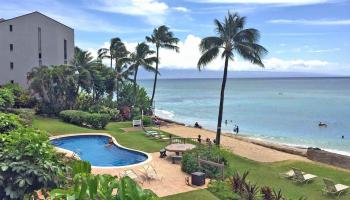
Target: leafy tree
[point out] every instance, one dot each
(55, 86)
(22, 98)
(162, 38)
(28, 162)
(142, 57)
(232, 38)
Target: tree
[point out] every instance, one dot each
(162, 38)
(232, 38)
(116, 51)
(142, 57)
(55, 87)
(83, 61)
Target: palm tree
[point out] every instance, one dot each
(142, 57)
(116, 51)
(83, 61)
(232, 38)
(162, 38)
(108, 52)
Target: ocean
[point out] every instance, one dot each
(282, 110)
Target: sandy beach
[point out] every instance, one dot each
(254, 150)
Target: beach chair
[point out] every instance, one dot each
(151, 133)
(150, 173)
(332, 188)
(300, 177)
(132, 174)
(289, 174)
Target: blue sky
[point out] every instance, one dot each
(301, 35)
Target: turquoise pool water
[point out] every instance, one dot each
(95, 149)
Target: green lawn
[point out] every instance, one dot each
(136, 139)
(264, 174)
(194, 195)
(267, 174)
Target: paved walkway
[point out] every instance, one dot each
(173, 179)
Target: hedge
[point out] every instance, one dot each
(86, 119)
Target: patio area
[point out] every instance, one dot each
(173, 179)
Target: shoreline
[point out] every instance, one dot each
(295, 149)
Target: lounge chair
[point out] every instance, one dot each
(332, 188)
(151, 133)
(132, 174)
(300, 177)
(289, 174)
(150, 173)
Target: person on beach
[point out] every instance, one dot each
(342, 137)
(196, 125)
(237, 129)
(226, 122)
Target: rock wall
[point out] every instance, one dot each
(328, 158)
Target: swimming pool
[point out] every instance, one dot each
(95, 149)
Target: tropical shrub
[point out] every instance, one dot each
(87, 186)
(212, 153)
(28, 162)
(25, 114)
(222, 190)
(126, 98)
(9, 122)
(7, 99)
(22, 98)
(146, 120)
(81, 118)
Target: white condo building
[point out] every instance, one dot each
(29, 41)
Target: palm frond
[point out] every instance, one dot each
(209, 43)
(207, 57)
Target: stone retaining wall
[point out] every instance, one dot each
(328, 158)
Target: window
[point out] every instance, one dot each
(12, 81)
(65, 50)
(10, 28)
(11, 65)
(11, 47)
(39, 55)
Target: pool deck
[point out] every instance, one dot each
(173, 179)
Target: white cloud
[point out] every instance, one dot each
(154, 11)
(189, 55)
(279, 2)
(181, 9)
(311, 22)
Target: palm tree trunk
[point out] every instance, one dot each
(155, 78)
(111, 62)
(117, 78)
(135, 92)
(221, 107)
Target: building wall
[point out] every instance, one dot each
(25, 40)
